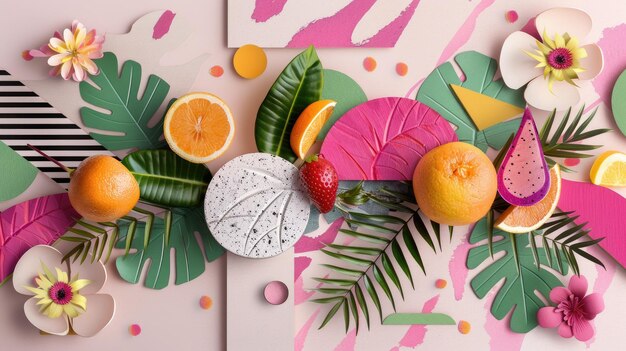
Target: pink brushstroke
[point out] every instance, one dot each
(348, 343)
(603, 209)
(416, 333)
(304, 332)
(300, 264)
(299, 294)
(465, 31)
(266, 9)
(162, 26)
(603, 280)
(502, 338)
(306, 243)
(458, 268)
(612, 45)
(336, 30)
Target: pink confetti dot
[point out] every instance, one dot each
(369, 63)
(440, 283)
(134, 329)
(571, 162)
(511, 16)
(402, 69)
(276, 292)
(464, 327)
(206, 302)
(216, 71)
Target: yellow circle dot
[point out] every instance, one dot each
(249, 61)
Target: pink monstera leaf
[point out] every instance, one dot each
(384, 139)
(39, 221)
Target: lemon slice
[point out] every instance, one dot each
(609, 169)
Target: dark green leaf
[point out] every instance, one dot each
(547, 126)
(561, 128)
(331, 313)
(343, 270)
(362, 250)
(422, 230)
(412, 247)
(373, 294)
(355, 311)
(572, 127)
(347, 258)
(437, 231)
(391, 272)
(399, 256)
(361, 299)
(340, 282)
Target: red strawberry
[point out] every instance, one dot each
(320, 180)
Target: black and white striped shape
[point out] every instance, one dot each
(25, 118)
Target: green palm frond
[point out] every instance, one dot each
(95, 238)
(376, 260)
(565, 140)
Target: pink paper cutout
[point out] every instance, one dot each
(300, 264)
(415, 334)
(384, 139)
(602, 283)
(457, 266)
(307, 244)
(266, 9)
(162, 26)
(336, 30)
(348, 343)
(612, 45)
(304, 332)
(39, 221)
(603, 209)
(299, 294)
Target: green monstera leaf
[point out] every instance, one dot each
(520, 272)
(128, 113)
(189, 260)
(299, 85)
(479, 71)
(165, 179)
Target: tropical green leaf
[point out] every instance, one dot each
(165, 179)
(189, 259)
(127, 112)
(479, 71)
(299, 85)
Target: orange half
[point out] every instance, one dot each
(523, 219)
(199, 127)
(308, 126)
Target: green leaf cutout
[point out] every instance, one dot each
(618, 102)
(189, 260)
(479, 71)
(345, 91)
(299, 85)
(166, 179)
(418, 318)
(22, 172)
(126, 111)
(522, 276)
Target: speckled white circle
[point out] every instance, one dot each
(256, 206)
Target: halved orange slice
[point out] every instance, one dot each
(523, 219)
(309, 124)
(199, 127)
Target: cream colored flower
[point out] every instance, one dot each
(59, 302)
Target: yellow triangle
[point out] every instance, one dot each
(484, 110)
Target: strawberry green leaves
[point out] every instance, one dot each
(298, 85)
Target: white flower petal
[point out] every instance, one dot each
(29, 266)
(593, 63)
(66, 70)
(56, 326)
(561, 20)
(57, 59)
(94, 272)
(562, 96)
(100, 311)
(516, 67)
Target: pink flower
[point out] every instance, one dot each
(573, 312)
(70, 52)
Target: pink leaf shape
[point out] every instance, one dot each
(300, 264)
(266, 9)
(384, 139)
(39, 221)
(306, 244)
(163, 25)
(603, 209)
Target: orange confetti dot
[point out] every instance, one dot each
(206, 302)
(249, 61)
(464, 327)
(441, 283)
(216, 71)
(369, 64)
(511, 16)
(402, 69)
(26, 55)
(134, 329)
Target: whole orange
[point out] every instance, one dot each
(102, 189)
(455, 184)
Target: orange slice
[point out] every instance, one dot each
(523, 219)
(199, 127)
(309, 124)
(609, 169)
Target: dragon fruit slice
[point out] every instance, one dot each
(523, 177)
